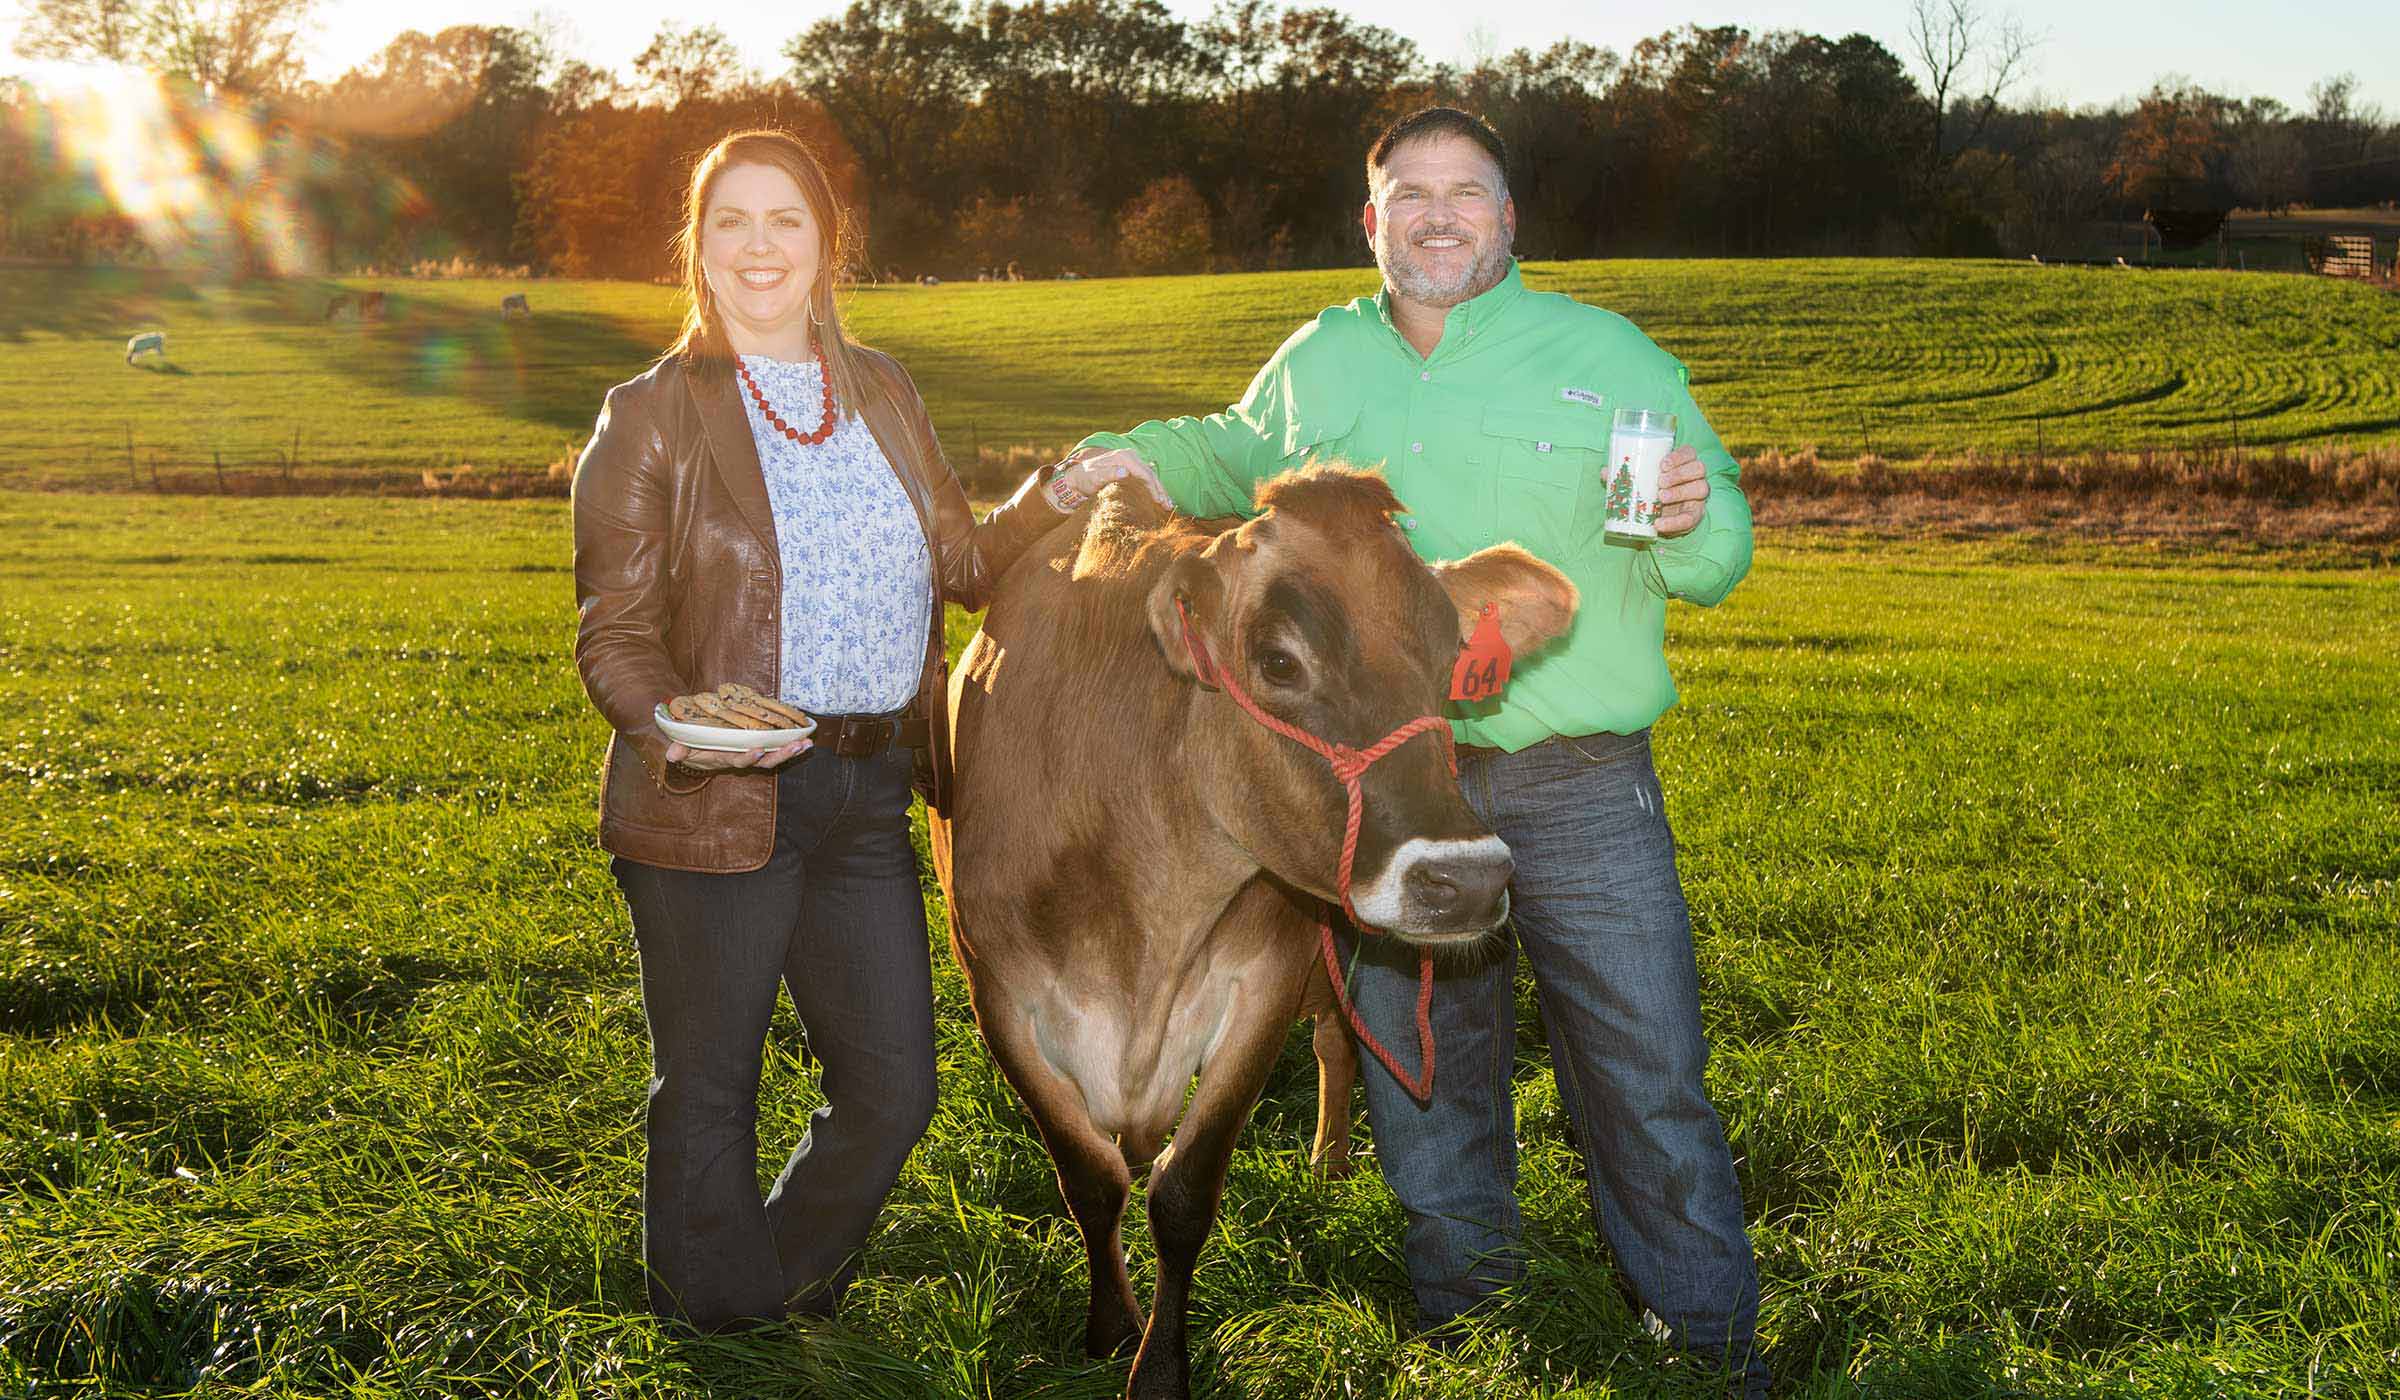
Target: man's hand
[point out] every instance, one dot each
(1088, 469)
(719, 760)
(1682, 492)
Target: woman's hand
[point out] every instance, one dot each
(1080, 477)
(720, 761)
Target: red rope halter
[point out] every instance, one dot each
(1349, 768)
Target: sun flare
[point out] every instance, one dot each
(204, 184)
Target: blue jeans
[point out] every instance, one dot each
(837, 918)
(1599, 911)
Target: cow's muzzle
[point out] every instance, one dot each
(1431, 891)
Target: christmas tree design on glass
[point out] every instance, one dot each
(1620, 493)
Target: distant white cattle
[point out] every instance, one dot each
(147, 343)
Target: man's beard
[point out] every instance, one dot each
(1411, 279)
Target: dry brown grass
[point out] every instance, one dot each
(2343, 496)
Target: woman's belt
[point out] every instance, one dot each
(864, 736)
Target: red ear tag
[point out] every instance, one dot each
(1482, 669)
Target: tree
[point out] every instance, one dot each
(1165, 229)
(1085, 95)
(1970, 60)
(21, 176)
(601, 193)
(2061, 187)
(2170, 154)
(1549, 108)
(897, 76)
(1299, 95)
(227, 47)
(2353, 155)
(575, 85)
(1042, 234)
(459, 111)
(108, 30)
(1969, 57)
(579, 203)
(2268, 168)
(685, 65)
(2342, 129)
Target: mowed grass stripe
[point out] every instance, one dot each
(1908, 358)
(2045, 913)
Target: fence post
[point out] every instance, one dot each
(219, 457)
(132, 477)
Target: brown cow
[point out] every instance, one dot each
(1134, 863)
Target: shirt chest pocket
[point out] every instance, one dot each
(1323, 438)
(1547, 463)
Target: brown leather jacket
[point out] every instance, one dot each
(680, 588)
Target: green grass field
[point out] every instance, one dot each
(2047, 904)
(1906, 359)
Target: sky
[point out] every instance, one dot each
(2090, 54)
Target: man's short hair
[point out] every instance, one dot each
(1429, 122)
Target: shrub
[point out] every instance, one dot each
(1165, 228)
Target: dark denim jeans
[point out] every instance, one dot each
(837, 917)
(1599, 911)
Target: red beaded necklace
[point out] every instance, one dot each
(824, 424)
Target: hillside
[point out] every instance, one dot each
(1902, 358)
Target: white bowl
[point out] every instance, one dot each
(724, 740)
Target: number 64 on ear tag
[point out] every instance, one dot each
(1482, 669)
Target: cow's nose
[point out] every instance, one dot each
(1449, 886)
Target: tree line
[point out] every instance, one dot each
(1112, 136)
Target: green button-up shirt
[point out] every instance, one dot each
(1500, 434)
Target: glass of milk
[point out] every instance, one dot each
(1638, 441)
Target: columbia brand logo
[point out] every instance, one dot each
(1582, 396)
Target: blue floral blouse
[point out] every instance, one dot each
(857, 580)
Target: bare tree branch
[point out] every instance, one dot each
(1967, 55)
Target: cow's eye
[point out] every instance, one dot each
(1279, 667)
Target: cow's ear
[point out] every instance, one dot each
(1537, 603)
(1193, 581)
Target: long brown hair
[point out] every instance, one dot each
(702, 342)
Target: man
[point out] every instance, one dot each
(1489, 408)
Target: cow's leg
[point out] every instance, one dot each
(1337, 1075)
(1091, 1176)
(1185, 1191)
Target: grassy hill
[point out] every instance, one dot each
(1904, 358)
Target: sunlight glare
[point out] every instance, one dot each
(203, 186)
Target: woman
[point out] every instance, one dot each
(769, 505)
